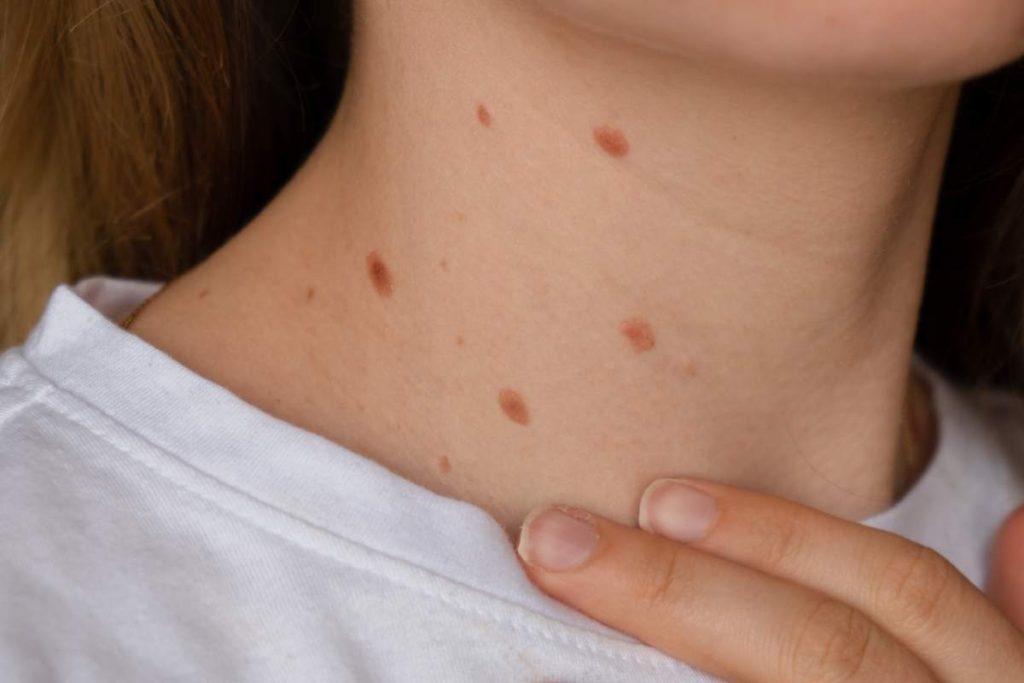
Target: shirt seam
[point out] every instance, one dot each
(515, 622)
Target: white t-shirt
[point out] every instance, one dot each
(154, 526)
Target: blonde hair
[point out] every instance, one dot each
(126, 128)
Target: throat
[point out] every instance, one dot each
(619, 269)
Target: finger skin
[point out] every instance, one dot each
(907, 589)
(729, 620)
(1006, 581)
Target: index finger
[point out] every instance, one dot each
(908, 589)
(719, 616)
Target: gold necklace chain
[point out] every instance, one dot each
(919, 434)
(130, 318)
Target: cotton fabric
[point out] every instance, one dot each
(154, 526)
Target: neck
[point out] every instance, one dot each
(528, 264)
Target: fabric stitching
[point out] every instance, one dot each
(437, 595)
(27, 399)
(515, 622)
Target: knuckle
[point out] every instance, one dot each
(832, 644)
(777, 537)
(914, 586)
(664, 579)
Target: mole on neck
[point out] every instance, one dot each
(620, 267)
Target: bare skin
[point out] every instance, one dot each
(475, 227)
(835, 600)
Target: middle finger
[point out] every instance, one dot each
(908, 589)
(717, 615)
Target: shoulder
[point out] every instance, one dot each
(29, 425)
(20, 387)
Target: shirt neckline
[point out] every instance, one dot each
(79, 346)
(80, 350)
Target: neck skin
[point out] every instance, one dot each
(773, 235)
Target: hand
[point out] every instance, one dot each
(747, 586)
(1006, 584)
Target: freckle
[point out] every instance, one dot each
(612, 140)
(202, 294)
(379, 274)
(514, 406)
(459, 341)
(639, 334)
(483, 115)
(310, 293)
(459, 216)
(444, 464)
(444, 265)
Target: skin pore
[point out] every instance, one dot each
(554, 264)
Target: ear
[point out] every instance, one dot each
(1006, 575)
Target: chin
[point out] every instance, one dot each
(891, 42)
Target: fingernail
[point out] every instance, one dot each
(677, 511)
(557, 538)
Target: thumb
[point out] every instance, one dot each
(1006, 576)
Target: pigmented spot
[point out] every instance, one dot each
(639, 333)
(458, 216)
(444, 464)
(460, 341)
(687, 368)
(612, 140)
(310, 293)
(514, 406)
(483, 116)
(380, 276)
(204, 293)
(444, 264)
